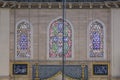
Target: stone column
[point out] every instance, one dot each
(115, 32)
(4, 42)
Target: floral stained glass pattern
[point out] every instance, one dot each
(96, 36)
(56, 39)
(23, 40)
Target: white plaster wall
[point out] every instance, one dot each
(115, 24)
(4, 42)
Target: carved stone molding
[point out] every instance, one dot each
(73, 5)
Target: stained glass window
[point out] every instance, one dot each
(56, 39)
(23, 40)
(96, 39)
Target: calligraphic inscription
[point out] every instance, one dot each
(100, 69)
(20, 69)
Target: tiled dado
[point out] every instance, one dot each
(4, 78)
(91, 76)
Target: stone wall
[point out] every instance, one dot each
(40, 19)
(79, 18)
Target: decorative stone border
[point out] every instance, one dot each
(58, 5)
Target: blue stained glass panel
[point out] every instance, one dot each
(96, 39)
(60, 27)
(23, 40)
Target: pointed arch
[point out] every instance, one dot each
(96, 40)
(55, 39)
(23, 40)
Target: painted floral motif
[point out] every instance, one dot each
(56, 39)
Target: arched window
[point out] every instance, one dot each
(56, 41)
(96, 44)
(23, 39)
